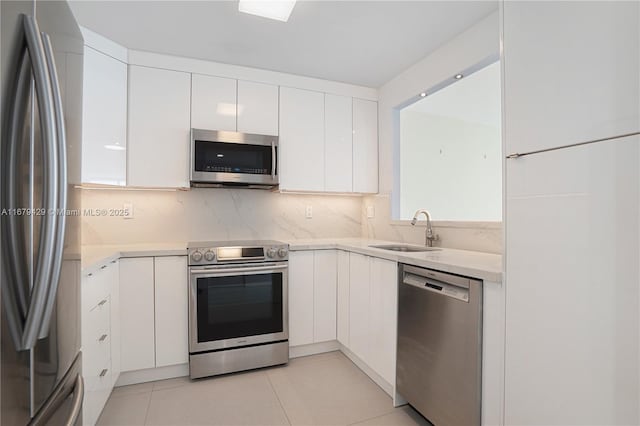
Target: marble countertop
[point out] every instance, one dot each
(474, 264)
(485, 266)
(95, 256)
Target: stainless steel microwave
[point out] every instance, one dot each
(233, 159)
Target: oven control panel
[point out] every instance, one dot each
(215, 253)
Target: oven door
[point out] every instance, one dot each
(237, 305)
(233, 158)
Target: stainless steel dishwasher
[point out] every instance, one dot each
(439, 360)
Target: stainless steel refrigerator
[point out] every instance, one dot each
(41, 363)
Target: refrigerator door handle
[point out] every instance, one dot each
(61, 183)
(44, 262)
(15, 299)
(72, 383)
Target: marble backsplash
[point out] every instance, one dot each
(217, 214)
(476, 236)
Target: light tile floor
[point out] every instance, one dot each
(326, 389)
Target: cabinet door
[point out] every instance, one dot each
(159, 127)
(301, 162)
(365, 146)
(137, 314)
(300, 298)
(171, 310)
(572, 275)
(213, 103)
(359, 293)
(114, 285)
(343, 298)
(572, 69)
(338, 132)
(384, 317)
(257, 108)
(104, 119)
(324, 295)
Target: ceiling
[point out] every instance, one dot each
(475, 98)
(359, 42)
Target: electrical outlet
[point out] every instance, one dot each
(309, 212)
(128, 210)
(371, 212)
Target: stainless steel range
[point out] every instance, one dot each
(238, 310)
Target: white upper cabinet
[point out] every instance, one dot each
(365, 146)
(257, 108)
(213, 103)
(572, 69)
(301, 146)
(104, 119)
(159, 127)
(338, 131)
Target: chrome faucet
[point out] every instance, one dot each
(430, 237)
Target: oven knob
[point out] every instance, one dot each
(209, 255)
(282, 252)
(271, 253)
(196, 256)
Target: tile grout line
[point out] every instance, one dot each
(372, 418)
(278, 398)
(146, 414)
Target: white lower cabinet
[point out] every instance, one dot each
(171, 310)
(342, 298)
(373, 312)
(137, 313)
(97, 330)
(383, 317)
(154, 306)
(312, 296)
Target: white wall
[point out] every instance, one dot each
(477, 44)
(217, 214)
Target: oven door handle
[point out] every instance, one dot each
(218, 271)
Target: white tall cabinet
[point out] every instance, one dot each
(159, 127)
(104, 119)
(338, 144)
(572, 215)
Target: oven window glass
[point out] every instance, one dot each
(232, 158)
(239, 306)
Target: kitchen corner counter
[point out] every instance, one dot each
(485, 266)
(95, 256)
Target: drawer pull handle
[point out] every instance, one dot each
(103, 372)
(101, 339)
(102, 302)
(90, 274)
(113, 261)
(103, 266)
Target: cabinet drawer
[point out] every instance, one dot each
(95, 288)
(96, 336)
(97, 390)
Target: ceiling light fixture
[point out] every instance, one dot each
(278, 10)
(458, 76)
(422, 95)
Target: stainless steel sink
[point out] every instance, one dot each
(404, 247)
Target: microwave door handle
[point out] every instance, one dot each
(61, 183)
(46, 109)
(274, 159)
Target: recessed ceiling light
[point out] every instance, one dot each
(278, 9)
(422, 95)
(458, 76)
